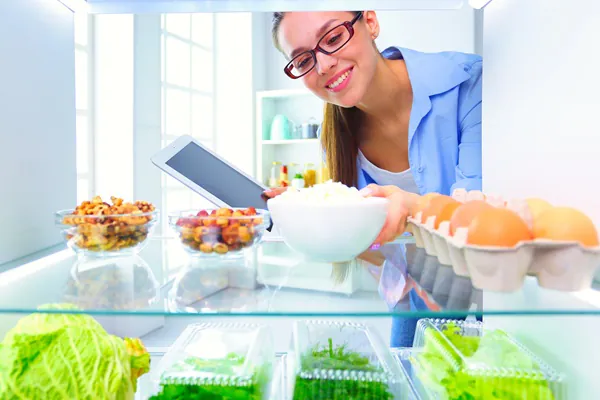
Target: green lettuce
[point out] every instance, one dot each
(443, 371)
(68, 356)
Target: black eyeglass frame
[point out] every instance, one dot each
(349, 25)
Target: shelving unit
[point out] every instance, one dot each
(298, 105)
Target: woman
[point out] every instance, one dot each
(397, 124)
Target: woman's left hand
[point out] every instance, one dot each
(401, 202)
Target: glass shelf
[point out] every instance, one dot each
(269, 281)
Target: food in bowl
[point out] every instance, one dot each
(219, 231)
(328, 222)
(97, 226)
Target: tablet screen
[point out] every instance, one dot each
(217, 177)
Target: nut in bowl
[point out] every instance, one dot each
(328, 222)
(97, 228)
(219, 232)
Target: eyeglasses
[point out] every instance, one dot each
(332, 41)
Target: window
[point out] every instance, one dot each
(83, 89)
(187, 90)
(187, 52)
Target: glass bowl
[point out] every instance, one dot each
(126, 283)
(222, 232)
(90, 232)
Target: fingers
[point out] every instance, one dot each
(373, 190)
(270, 193)
(395, 223)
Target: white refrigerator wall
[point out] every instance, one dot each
(37, 123)
(540, 138)
(540, 95)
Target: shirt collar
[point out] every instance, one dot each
(433, 75)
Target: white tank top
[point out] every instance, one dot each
(404, 180)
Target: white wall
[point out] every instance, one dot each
(419, 30)
(234, 89)
(37, 123)
(540, 138)
(113, 105)
(540, 96)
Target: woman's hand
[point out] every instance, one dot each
(274, 192)
(401, 203)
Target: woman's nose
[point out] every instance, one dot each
(325, 63)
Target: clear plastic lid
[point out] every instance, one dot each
(344, 360)
(218, 359)
(460, 359)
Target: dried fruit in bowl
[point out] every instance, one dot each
(219, 231)
(100, 226)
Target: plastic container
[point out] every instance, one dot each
(217, 360)
(222, 232)
(457, 359)
(92, 230)
(343, 360)
(563, 266)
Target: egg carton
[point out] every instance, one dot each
(557, 265)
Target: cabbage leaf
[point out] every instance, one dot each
(65, 356)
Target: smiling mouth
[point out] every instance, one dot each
(339, 80)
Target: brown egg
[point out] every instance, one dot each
(565, 224)
(498, 227)
(537, 206)
(422, 203)
(446, 213)
(464, 214)
(436, 206)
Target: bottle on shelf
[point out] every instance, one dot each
(283, 177)
(323, 175)
(310, 174)
(275, 178)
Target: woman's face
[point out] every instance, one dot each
(343, 77)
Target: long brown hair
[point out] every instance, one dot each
(339, 132)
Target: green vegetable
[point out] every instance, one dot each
(443, 371)
(339, 359)
(199, 378)
(68, 356)
(298, 176)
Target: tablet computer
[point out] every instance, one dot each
(209, 175)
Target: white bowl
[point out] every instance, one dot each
(329, 232)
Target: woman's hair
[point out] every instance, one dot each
(339, 136)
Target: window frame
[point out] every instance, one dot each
(166, 137)
(88, 112)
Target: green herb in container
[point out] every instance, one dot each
(218, 361)
(352, 365)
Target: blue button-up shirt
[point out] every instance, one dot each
(444, 131)
(444, 151)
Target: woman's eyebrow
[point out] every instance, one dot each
(318, 35)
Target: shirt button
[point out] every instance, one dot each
(420, 169)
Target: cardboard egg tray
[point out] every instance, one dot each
(564, 266)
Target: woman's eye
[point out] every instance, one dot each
(302, 63)
(333, 39)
